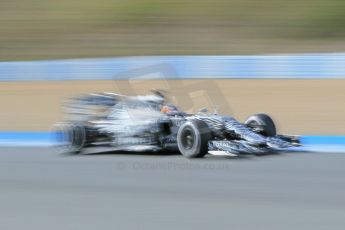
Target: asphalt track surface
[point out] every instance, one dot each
(40, 189)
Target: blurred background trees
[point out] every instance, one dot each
(49, 29)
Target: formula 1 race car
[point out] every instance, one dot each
(113, 122)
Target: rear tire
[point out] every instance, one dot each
(262, 123)
(70, 137)
(192, 139)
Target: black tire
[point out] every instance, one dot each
(70, 137)
(192, 139)
(262, 123)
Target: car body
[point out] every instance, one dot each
(111, 122)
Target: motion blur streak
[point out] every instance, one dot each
(281, 66)
(40, 189)
(50, 29)
(308, 107)
(47, 191)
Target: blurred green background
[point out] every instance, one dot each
(49, 29)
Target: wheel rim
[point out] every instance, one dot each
(188, 139)
(253, 124)
(77, 138)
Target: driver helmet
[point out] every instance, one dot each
(169, 108)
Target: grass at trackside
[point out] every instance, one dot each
(34, 29)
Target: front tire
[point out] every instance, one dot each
(262, 123)
(192, 139)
